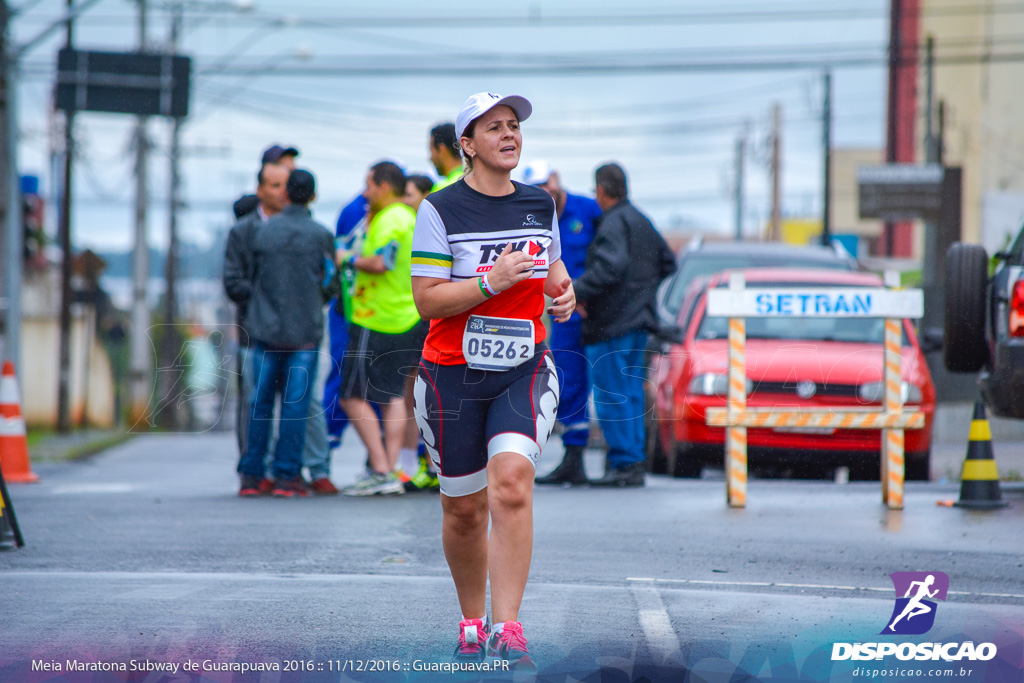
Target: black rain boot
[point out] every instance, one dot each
(630, 476)
(569, 471)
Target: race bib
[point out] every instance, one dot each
(497, 343)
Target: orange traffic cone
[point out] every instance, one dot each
(14, 462)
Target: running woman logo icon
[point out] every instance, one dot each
(914, 613)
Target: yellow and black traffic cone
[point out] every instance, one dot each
(10, 534)
(979, 482)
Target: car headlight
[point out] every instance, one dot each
(874, 392)
(711, 384)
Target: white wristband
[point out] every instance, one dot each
(488, 287)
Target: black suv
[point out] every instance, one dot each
(984, 328)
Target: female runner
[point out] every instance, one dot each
(485, 253)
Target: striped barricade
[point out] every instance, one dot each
(738, 303)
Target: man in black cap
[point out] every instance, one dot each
(276, 154)
(285, 318)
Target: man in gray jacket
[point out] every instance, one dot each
(293, 262)
(625, 263)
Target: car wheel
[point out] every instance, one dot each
(917, 466)
(965, 348)
(686, 462)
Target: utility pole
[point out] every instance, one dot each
(775, 231)
(933, 264)
(826, 125)
(171, 340)
(139, 365)
(741, 144)
(895, 53)
(66, 295)
(931, 231)
(4, 170)
(10, 192)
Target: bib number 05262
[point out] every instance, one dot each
(498, 349)
(497, 343)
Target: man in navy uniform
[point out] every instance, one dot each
(577, 220)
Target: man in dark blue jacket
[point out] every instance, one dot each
(625, 263)
(577, 223)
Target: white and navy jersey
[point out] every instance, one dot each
(459, 235)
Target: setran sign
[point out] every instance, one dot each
(832, 302)
(137, 83)
(900, 191)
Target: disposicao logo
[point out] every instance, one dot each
(914, 613)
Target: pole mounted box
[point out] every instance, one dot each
(143, 84)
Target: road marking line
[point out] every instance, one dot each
(94, 488)
(840, 588)
(654, 620)
(761, 584)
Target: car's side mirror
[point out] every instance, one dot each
(931, 339)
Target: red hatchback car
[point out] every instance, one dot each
(796, 362)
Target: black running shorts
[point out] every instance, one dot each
(376, 364)
(466, 417)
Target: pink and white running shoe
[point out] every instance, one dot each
(472, 641)
(510, 644)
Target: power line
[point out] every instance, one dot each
(758, 58)
(706, 53)
(396, 115)
(608, 68)
(282, 108)
(736, 14)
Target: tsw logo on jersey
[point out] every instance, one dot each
(489, 253)
(914, 612)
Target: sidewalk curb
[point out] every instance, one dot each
(76, 445)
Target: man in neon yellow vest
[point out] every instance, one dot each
(445, 154)
(385, 331)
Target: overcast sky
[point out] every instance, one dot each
(663, 88)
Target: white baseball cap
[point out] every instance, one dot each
(482, 102)
(537, 173)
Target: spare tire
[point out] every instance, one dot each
(965, 348)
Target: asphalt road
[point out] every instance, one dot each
(145, 554)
